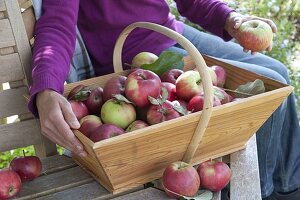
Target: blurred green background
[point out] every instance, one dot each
(286, 15)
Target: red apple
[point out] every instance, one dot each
(180, 178)
(255, 35)
(94, 100)
(115, 85)
(188, 85)
(160, 113)
(88, 124)
(10, 183)
(221, 75)
(171, 75)
(197, 102)
(74, 91)
(143, 58)
(105, 131)
(222, 95)
(142, 113)
(28, 167)
(214, 175)
(171, 88)
(138, 124)
(118, 112)
(140, 84)
(80, 110)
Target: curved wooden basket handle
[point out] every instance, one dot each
(201, 67)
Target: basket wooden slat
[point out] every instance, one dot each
(135, 158)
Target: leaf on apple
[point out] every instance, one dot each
(153, 101)
(122, 98)
(82, 95)
(219, 94)
(164, 95)
(201, 195)
(252, 88)
(166, 61)
(182, 110)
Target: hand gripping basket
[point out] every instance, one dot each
(135, 158)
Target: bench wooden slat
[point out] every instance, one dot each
(6, 36)
(10, 68)
(149, 193)
(245, 182)
(2, 5)
(55, 182)
(12, 102)
(19, 134)
(56, 163)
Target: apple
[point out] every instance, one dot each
(160, 113)
(188, 85)
(115, 85)
(214, 175)
(171, 75)
(88, 124)
(118, 112)
(10, 183)
(137, 124)
(171, 88)
(140, 84)
(142, 113)
(94, 100)
(221, 75)
(222, 95)
(143, 58)
(197, 102)
(28, 167)
(74, 91)
(80, 110)
(105, 131)
(255, 35)
(180, 178)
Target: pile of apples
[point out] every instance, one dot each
(21, 169)
(141, 99)
(183, 180)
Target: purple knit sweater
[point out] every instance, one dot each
(100, 22)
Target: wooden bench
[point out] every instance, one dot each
(61, 177)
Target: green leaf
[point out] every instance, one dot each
(255, 87)
(164, 95)
(182, 110)
(82, 95)
(121, 98)
(201, 195)
(153, 101)
(219, 94)
(166, 61)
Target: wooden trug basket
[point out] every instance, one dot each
(135, 158)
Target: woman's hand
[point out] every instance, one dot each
(57, 119)
(234, 21)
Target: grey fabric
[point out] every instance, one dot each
(81, 67)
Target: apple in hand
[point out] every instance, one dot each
(188, 85)
(143, 58)
(94, 100)
(115, 85)
(171, 75)
(171, 88)
(118, 112)
(221, 75)
(180, 178)
(28, 167)
(140, 84)
(105, 131)
(214, 175)
(138, 124)
(160, 113)
(88, 124)
(255, 35)
(79, 109)
(10, 183)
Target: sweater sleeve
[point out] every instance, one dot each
(55, 37)
(209, 14)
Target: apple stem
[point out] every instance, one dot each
(129, 65)
(234, 91)
(24, 152)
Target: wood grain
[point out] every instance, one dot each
(12, 102)
(56, 163)
(19, 134)
(2, 5)
(10, 68)
(6, 37)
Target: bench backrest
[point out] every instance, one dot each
(16, 31)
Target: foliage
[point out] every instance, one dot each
(286, 15)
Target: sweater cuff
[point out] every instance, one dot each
(41, 83)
